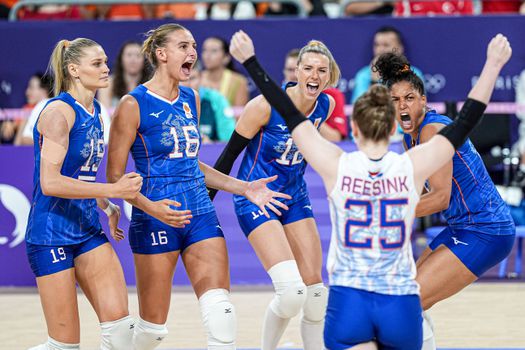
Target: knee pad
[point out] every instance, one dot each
(290, 291)
(117, 335)
(52, 344)
(147, 335)
(314, 308)
(219, 318)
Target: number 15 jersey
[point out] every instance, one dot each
(372, 209)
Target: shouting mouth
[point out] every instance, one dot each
(406, 122)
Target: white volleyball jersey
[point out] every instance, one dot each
(372, 208)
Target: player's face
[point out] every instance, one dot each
(132, 59)
(213, 55)
(386, 42)
(313, 74)
(181, 54)
(410, 106)
(92, 70)
(290, 68)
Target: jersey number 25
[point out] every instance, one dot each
(384, 223)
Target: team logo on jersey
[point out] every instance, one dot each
(283, 127)
(187, 110)
(156, 115)
(375, 174)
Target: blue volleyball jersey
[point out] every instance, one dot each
(166, 150)
(273, 152)
(474, 201)
(60, 221)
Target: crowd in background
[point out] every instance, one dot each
(246, 9)
(223, 90)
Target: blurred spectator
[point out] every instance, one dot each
(336, 126)
(130, 70)
(290, 65)
(38, 88)
(312, 8)
(50, 12)
(124, 12)
(386, 39)
(502, 6)
(238, 10)
(407, 8)
(365, 8)
(5, 7)
(219, 73)
(178, 10)
(216, 122)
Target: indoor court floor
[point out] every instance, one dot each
(483, 316)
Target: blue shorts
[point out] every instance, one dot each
(148, 235)
(477, 251)
(46, 259)
(251, 217)
(356, 316)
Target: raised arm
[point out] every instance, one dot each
(321, 154)
(54, 125)
(429, 157)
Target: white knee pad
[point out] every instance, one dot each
(118, 335)
(290, 291)
(52, 344)
(314, 308)
(219, 318)
(147, 335)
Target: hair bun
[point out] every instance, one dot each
(379, 95)
(391, 65)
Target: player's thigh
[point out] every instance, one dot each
(207, 266)
(270, 244)
(154, 274)
(58, 295)
(305, 243)
(442, 275)
(348, 321)
(101, 278)
(399, 322)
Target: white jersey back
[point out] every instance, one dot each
(372, 207)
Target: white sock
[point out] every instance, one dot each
(273, 329)
(147, 335)
(429, 342)
(312, 334)
(53, 344)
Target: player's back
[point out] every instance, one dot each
(474, 200)
(273, 152)
(60, 221)
(372, 209)
(166, 149)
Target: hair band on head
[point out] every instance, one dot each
(66, 44)
(406, 68)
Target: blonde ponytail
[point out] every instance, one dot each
(66, 52)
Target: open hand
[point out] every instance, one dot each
(241, 46)
(259, 194)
